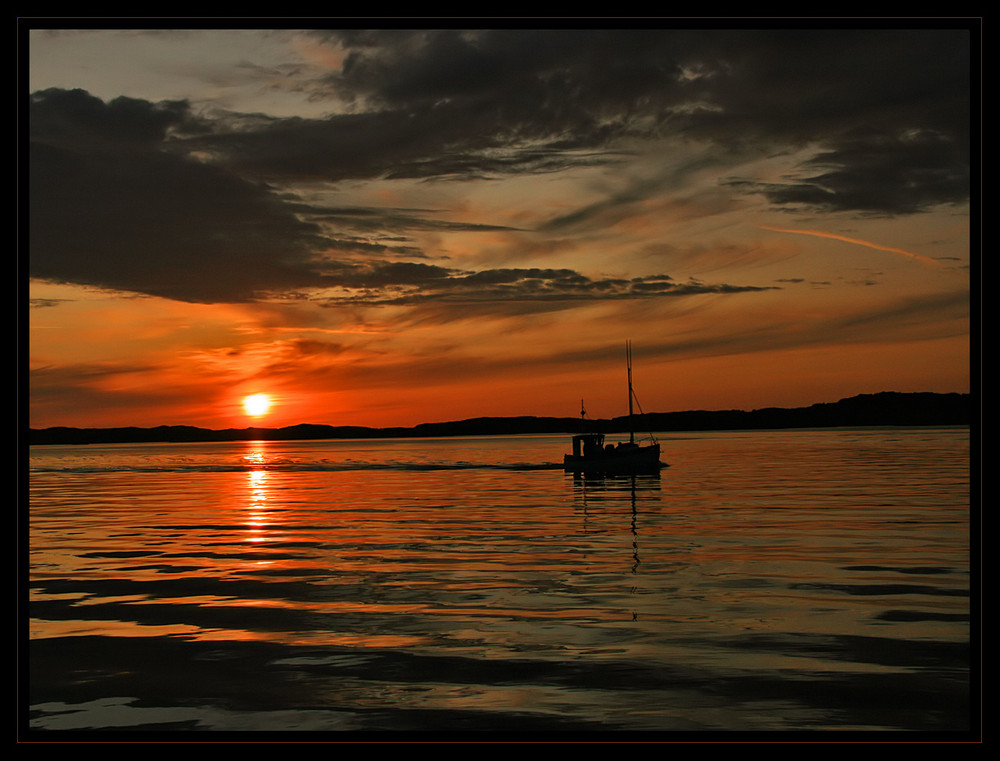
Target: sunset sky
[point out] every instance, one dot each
(386, 227)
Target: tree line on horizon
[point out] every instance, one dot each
(887, 408)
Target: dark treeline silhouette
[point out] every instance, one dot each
(887, 408)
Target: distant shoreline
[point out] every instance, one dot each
(884, 408)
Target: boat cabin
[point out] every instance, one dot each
(588, 444)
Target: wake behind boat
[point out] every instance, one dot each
(592, 455)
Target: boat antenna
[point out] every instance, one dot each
(631, 396)
(628, 360)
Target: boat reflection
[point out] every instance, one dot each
(594, 484)
(601, 493)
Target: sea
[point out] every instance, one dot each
(773, 585)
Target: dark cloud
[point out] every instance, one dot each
(923, 169)
(384, 220)
(419, 284)
(76, 118)
(109, 207)
(490, 101)
(150, 198)
(449, 141)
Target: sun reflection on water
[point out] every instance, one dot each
(256, 457)
(258, 514)
(258, 491)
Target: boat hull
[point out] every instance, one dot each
(625, 460)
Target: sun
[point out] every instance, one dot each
(256, 405)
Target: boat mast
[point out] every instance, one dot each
(628, 360)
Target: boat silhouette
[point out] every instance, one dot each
(592, 455)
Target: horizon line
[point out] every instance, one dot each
(494, 417)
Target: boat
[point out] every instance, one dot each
(592, 455)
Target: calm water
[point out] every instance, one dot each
(764, 582)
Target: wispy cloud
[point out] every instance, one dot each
(855, 241)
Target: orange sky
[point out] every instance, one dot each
(422, 227)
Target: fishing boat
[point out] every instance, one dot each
(591, 454)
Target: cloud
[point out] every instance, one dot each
(856, 241)
(162, 199)
(419, 284)
(904, 173)
(108, 206)
(474, 103)
(899, 320)
(889, 105)
(387, 219)
(112, 206)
